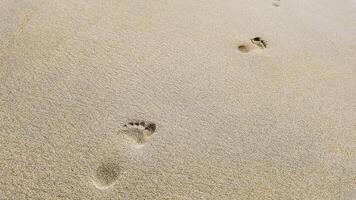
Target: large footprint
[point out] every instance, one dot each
(139, 131)
(107, 173)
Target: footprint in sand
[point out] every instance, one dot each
(106, 175)
(254, 43)
(259, 42)
(140, 131)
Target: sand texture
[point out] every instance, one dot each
(178, 99)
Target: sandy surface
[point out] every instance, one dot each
(133, 99)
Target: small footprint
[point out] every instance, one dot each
(258, 41)
(140, 131)
(106, 175)
(254, 43)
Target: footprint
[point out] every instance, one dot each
(258, 41)
(106, 175)
(253, 44)
(140, 131)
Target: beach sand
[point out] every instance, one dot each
(213, 99)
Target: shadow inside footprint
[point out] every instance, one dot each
(244, 48)
(140, 131)
(106, 175)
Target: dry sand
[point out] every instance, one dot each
(214, 115)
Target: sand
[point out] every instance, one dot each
(132, 99)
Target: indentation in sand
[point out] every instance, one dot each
(140, 131)
(276, 4)
(243, 48)
(253, 44)
(106, 175)
(259, 42)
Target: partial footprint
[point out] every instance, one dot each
(106, 175)
(258, 41)
(140, 131)
(244, 48)
(253, 44)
